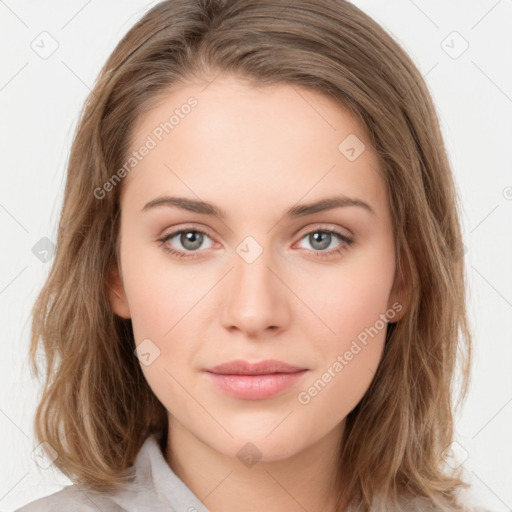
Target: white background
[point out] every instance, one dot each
(40, 100)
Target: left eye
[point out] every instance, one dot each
(322, 238)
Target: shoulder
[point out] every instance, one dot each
(465, 503)
(132, 492)
(71, 498)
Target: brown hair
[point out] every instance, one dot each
(96, 408)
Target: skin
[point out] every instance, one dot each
(255, 152)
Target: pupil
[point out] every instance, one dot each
(191, 240)
(320, 238)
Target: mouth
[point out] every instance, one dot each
(255, 381)
(241, 367)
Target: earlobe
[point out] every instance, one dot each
(117, 295)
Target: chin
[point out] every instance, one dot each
(259, 447)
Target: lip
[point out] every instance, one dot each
(255, 381)
(241, 367)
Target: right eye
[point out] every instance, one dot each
(190, 239)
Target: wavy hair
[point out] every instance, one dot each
(96, 408)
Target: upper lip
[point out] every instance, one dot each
(241, 367)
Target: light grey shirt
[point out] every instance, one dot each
(155, 488)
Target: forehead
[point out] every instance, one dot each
(233, 139)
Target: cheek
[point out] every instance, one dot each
(159, 292)
(351, 297)
(337, 388)
(349, 328)
(162, 307)
(350, 351)
(164, 302)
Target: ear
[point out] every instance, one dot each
(401, 293)
(117, 295)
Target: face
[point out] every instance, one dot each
(311, 287)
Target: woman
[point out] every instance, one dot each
(258, 296)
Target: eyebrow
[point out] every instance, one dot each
(193, 205)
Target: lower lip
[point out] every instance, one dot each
(256, 387)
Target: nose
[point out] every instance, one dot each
(255, 298)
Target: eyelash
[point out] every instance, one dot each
(194, 254)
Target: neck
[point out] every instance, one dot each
(305, 481)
